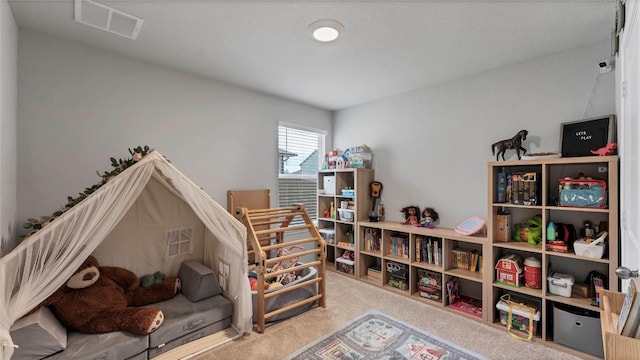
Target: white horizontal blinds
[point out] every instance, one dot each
(298, 168)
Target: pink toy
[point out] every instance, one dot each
(605, 150)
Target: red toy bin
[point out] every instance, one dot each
(532, 273)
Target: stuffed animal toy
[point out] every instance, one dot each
(100, 299)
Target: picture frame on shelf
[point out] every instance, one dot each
(579, 138)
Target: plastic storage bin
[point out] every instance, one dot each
(583, 193)
(348, 192)
(561, 284)
(346, 215)
(521, 313)
(360, 157)
(345, 265)
(328, 235)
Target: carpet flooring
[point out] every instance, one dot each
(348, 298)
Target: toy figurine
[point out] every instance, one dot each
(410, 214)
(514, 143)
(429, 217)
(608, 149)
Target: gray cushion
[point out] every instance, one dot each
(182, 317)
(115, 345)
(38, 335)
(205, 331)
(141, 356)
(198, 281)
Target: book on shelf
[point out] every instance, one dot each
(464, 259)
(629, 318)
(372, 239)
(428, 250)
(399, 245)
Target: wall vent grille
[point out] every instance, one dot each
(105, 18)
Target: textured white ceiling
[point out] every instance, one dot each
(388, 47)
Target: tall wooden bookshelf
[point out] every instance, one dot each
(547, 206)
(350, 186)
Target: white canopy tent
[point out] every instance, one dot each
(148, 218)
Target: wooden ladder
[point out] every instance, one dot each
(266, 232)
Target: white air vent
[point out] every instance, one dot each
(99, 16)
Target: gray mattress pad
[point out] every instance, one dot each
(115, 345)
(182, 317)
(184, 320)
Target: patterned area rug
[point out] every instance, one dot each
(375, 335)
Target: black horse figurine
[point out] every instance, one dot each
(513, 143)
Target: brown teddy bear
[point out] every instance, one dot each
(99, 299)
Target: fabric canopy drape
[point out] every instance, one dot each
(42, 263)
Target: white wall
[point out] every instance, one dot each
(8, 119)
(431, 146)
(79, 106)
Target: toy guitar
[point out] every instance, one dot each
(376, 191)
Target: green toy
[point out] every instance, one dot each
(152, 279)
(529, 231)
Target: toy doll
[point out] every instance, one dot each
(410, 214)
(429, 217)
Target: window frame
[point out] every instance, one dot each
(321, 149)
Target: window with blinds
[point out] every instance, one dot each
(298, 154)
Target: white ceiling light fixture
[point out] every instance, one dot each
(326, 30)
(105, 18)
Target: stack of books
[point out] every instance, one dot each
(464, 259)
(429, 250)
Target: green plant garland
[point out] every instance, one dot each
(119, 166)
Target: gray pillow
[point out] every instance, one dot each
(38, 334)
(198, 281)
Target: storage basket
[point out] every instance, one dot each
(430, 284)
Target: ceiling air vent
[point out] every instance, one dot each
(108, 19)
